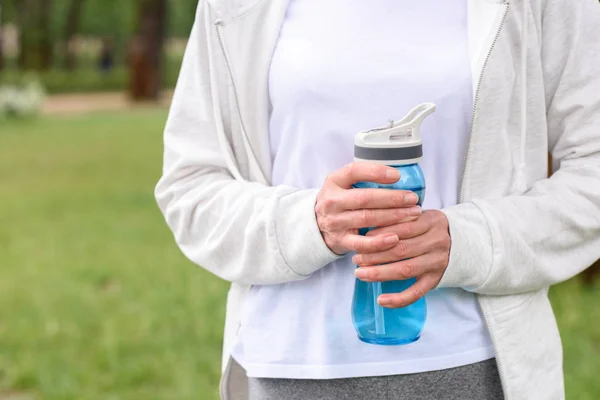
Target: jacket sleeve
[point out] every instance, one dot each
(524, 243)
(241, 231)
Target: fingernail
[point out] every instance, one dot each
(412, 198)
(415, 211)
(392, 239)
(358, 259)
(384, 301)
(360, 273)
(392, 174)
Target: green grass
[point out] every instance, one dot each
(96, 302)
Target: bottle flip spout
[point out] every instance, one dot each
(398, 143)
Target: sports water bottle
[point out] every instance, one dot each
(397, 145)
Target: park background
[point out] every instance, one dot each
(96, 301)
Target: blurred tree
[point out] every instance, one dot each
(146, 50)
(181, 17)
(72, 25)
(35, 41)
(45, 38)
(20, 21)
(3, 8)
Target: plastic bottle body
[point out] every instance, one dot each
(373, 323)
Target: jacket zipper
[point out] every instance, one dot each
(486, 315)
(224, 387)
(477, 90)
(219, 23)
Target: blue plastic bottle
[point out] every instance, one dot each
(398, 145)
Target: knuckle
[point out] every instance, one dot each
(444, 242)
(327, 223)
(401, 250)
(425, 220)
(399, 301)
(319, 207)
(327, 203)
(349, 169)
(442, 259)
(375, 170)
(409, 269)
(440, 218)
(408, 230)
(366, 245)
(329, 179)
(362, 198)
(359, 246)
(354, 244)
(365, 259)
(375, 273)
(418, 293)
(336, 240)
(399, 214)
(364, 217)
(398, 198)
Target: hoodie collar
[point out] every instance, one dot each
(485, 18)
(226, 10)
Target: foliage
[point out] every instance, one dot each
(112, 17)
(56, 33)
(116, 17)
(22, 99)
(96, 302)
(88, 79)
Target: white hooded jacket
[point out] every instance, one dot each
(536, 74)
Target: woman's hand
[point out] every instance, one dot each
(424, 247)
(341, 210)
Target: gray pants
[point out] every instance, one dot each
(472, 382)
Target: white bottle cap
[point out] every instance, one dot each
(398, 143)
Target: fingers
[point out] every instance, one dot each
(357, 199)
(364, 244)
(429, 220)
(403, 270)
(408, 230)
(421, 287)
(366, 218)
(403, 250)
(360, 171)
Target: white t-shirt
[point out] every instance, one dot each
(342, 66)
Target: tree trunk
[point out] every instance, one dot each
(145, 58)
(35, 43)
(3, 10)
(71, 29)
(20, 9)
(45, 39)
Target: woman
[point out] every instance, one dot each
(258, 175)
